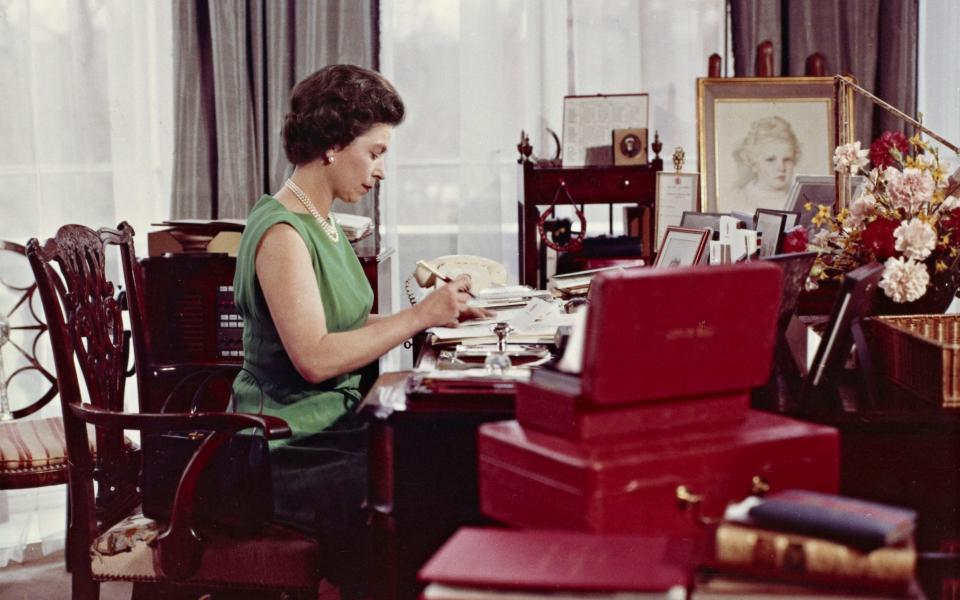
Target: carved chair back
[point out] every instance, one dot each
(86, 329)
(87, 334)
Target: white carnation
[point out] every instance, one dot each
(850, 158)
(909, 190)
(915, 239)
(861, 208)
(904, 280)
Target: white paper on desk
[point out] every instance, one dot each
(538, 317)
(572, 359)
(535, 310)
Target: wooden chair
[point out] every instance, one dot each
(178, 558)
(32, 452)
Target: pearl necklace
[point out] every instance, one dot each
(327, 225)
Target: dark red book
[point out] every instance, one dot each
(859, 523)
(566, 413)
(542, 560)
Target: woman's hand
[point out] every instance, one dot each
(447, 305)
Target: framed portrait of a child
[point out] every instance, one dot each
(756, 134)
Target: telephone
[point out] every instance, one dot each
(484, 272)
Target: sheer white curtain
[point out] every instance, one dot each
(86, 124)
(474, 73)
(938, 78)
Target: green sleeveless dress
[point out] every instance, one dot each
(319, 474)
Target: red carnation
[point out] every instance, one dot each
(880, 149)
(950, 221)
(878, 237)
(796, 240)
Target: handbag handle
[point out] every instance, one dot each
(210, 374)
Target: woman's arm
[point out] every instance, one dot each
(289, 285)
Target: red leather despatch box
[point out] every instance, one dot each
(561, 409)
(530, 479)
(654, 334)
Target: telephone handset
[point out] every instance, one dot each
(484, 272)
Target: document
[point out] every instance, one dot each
(536, 322)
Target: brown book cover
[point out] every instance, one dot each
(794, 557)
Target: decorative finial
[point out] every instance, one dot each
(657, 145)
(678, 159)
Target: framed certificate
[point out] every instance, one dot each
(676, 193)
(588, 122)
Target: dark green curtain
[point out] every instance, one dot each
(873, 40)
(235, 64)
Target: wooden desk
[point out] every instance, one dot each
(422, 480)
(423, 475)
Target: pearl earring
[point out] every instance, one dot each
(330, 159)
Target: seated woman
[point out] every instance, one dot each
(306, 310)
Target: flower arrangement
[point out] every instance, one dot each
(907, 217)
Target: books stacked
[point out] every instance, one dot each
(799, 536)
(355, 227)
(501, 564)
(571, 285)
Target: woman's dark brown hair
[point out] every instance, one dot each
(333, 107)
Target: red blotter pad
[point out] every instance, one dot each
(658, 334)
(556, 561)
(535, 480)
(562, 410)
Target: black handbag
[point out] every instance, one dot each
(235, 490)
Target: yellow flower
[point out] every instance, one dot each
(941, 266)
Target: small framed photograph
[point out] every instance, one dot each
(701, 220)
(588, 121)
(677, 194)
(630, 146)
(792, 217)
(682, 247)
(818, 190)
(770, 226)
(756, 133)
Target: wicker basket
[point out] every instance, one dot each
(921, 353)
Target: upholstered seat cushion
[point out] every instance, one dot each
(34, 448)
(275, 558)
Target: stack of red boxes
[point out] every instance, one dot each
(659, 419)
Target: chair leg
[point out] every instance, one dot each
(66, 537)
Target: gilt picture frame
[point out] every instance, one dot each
(743, 121)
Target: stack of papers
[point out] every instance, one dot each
(355, 227)
(570, 285)
(535, 323)
(507, 296)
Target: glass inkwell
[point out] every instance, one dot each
(498, 360)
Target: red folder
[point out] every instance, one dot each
(630, 485)
(558, 561)
(655, 334)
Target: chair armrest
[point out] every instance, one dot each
(180, 547)
(274, 427)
